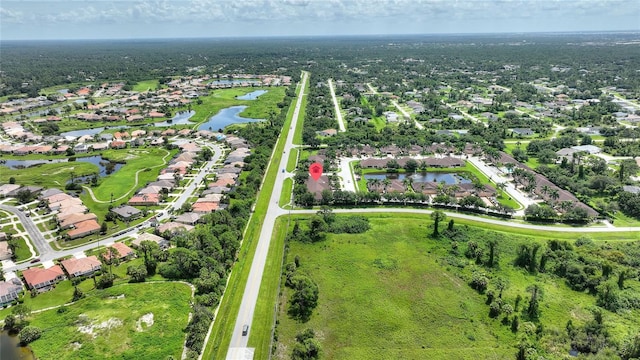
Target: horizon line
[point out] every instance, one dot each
(245, 37)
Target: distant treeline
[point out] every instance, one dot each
(592, 60)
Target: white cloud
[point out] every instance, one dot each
(312, 16)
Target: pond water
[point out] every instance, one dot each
(447, 178)
(225, 117)
(181, 118)
(83, 132)
(11, 350)
(103, 164)
(252, 95)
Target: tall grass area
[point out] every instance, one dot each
(395, 292)
(121, 306)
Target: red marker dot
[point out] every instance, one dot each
(316, 171)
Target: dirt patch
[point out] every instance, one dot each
(146, 319)
(92, 328)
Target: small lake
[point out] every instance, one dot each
(11, 350)
(83, 132)
(447, 178)
(181, 118)
(103, 165)
(252, 95)
(226, 117)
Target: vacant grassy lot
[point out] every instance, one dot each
(147, 85)
(394, 293)
(383, 295)
(111, 321)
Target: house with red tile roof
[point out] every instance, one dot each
(80, 267)
(155, 114)
(72, 219)
(84, 228)
(204, 207)
(117, 144)
(43, 279)
(145, 199)
(122, 252)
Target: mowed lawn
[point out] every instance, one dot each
(383, 295)
(141, 163)
(47, 175)
(113, 315)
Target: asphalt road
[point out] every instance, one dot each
(38, 240)
(336, 106)
(48, 253)
(252, 288)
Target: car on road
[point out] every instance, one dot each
(35, 260)
(245, 330)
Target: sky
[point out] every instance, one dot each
(126, 19)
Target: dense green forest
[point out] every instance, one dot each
(589, 59)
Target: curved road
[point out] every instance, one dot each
(38, 240)
(238, 346)
(47, 253)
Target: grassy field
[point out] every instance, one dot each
(148, 85)
(220, 99)
(383, 295)
(47, 175)
(22, 250)
(390, 293)
(117, 330)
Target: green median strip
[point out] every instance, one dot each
(218, 344)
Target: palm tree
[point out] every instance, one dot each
(545, 189)
(386, 183)
(437, 216)
(554, 194)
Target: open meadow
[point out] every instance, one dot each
(127, 321)
(394, 292)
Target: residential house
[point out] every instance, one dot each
(8, 188)
(42, 279)
(317, 187)
(162, 242)
(144, 200)
(173, 227)
(189, 218)
(522, 131)
(126, 212)
(84, 228)
(10, 291)
(72, 219)
(204, 207)
(327, 132)
(5, 251)
(81, 267)
(122, 252)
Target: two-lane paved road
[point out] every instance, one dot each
(237, 347)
